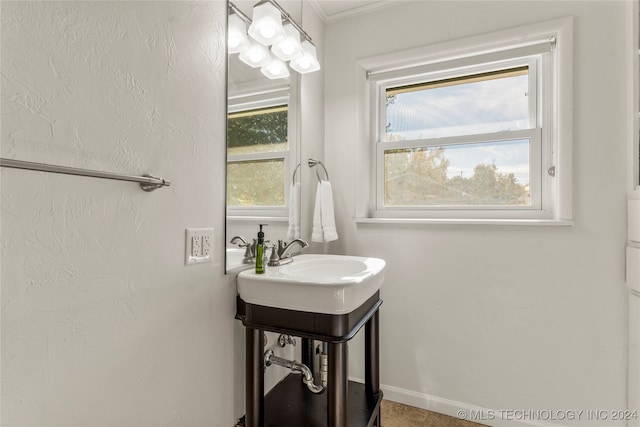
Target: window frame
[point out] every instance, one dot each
(533, 134)
(253, 100)
(555, 89)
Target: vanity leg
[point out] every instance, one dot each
(306, 350)
(337, 385)
(254, 393)
(372, 356)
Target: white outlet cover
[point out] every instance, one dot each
(198, 238)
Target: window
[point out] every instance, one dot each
(473, 135)
(258, 153)
(461, 141)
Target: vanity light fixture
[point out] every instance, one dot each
(290, 47)
(255, 56)
(267, 24)
(265, 30)
(237, 37)
(307, 62)
(276, 69)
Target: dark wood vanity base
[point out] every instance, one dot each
(344, 403)
(317, 326)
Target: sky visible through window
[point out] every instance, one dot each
(466, 106)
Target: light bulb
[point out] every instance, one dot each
(237, 35)
(255, 56)
(287, 47)
(266, 27)
(267, 31)
(276, 69)
(234, 41)
(304, 62)
(290, 47)
(307, 62)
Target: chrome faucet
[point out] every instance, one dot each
(249, 248)
(242, 240)
(280, 254)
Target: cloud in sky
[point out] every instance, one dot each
(463, 109)
(466, 109)
(508, 156)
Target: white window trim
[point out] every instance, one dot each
(560, 131)
(251, 96)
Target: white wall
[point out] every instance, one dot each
(102, 324)
(312, 126)
(500, 317)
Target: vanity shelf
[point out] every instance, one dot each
(344, 403)
(303, 408)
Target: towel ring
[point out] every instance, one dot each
(314, 163)
(293, 177)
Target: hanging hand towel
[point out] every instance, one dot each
(324, 222)
(294, 212)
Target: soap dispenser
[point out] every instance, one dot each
(260, 251)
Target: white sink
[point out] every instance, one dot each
(235, 257)
(330, 284)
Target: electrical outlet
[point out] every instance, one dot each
(206, 244)
(198, 246)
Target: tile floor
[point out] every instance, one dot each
(399, 415)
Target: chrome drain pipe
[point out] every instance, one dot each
(324, 364)
(296, 368)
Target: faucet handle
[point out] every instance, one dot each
(274, 259)
(281, 247)
(274, 254)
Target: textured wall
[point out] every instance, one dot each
(102, 324)
(505, 317)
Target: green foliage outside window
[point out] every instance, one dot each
(253, 182)
(257, 131)
(419, 177)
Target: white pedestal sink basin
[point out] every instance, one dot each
(330, 284)
(235, 257)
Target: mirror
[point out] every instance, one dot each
(263, 150)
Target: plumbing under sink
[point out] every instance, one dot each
(330, 284)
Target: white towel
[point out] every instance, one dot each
(294, 212)
(324, 222)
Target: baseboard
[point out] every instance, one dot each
(489, 417)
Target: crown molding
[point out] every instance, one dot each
(371, 6)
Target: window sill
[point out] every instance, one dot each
(257, 218)
(466, 221)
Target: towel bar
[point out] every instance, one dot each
(147, 182)
(313, 163)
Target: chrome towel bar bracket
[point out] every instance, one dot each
(313, 163)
